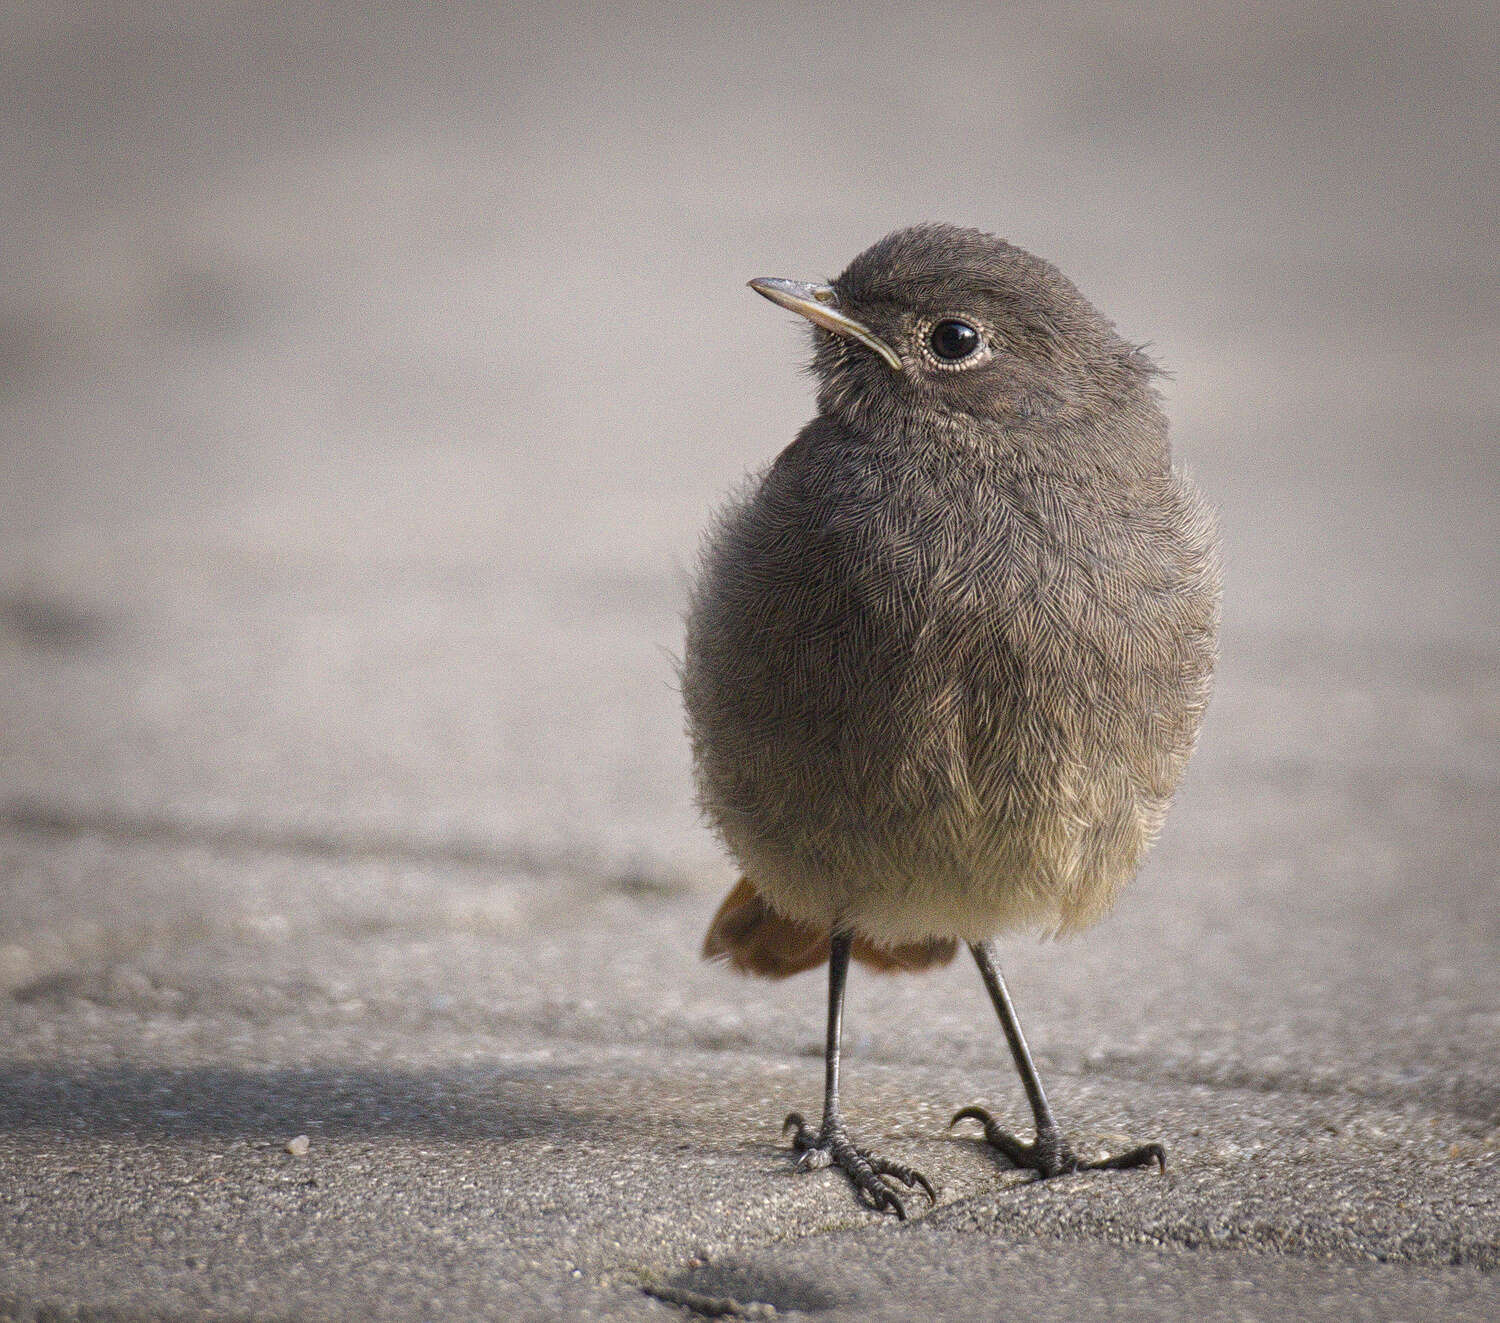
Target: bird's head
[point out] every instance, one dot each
(946, 325)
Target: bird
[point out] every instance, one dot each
(946, 658)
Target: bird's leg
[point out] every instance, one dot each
(830, 1144)
(1048, 1154)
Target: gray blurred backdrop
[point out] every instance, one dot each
(367, 373)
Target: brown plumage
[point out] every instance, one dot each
(754, 939)
(947, 659)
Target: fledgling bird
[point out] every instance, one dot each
(946, 661)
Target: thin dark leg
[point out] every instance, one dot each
(838, 975)
(830, 1144)
(1049, 1154)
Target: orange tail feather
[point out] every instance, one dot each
(755, 939)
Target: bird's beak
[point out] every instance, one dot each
(820, 305)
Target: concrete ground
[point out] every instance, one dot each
(366, 374)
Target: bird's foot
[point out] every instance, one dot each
(873, 1176)
(1050, 1154)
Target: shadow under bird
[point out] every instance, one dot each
(946, 661)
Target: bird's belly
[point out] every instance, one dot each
(948, 792)
(946, 733)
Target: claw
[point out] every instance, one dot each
(879, 1198)
(869, 1173)
(908, 1176)
(1049, 1155)
(1143, 1156)
(1019, 1154)
(971, 1114)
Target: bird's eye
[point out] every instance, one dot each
(953, 340)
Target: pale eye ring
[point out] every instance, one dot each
(953, 340)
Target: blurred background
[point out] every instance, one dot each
(368, 372)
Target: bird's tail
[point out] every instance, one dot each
(755, 939)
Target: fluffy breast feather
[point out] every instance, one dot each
(939, 692)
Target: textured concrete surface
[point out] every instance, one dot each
(366, 375)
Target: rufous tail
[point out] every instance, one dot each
(754, 939)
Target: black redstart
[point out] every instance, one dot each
(947, 660)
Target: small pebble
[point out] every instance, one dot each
(298, 1147)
